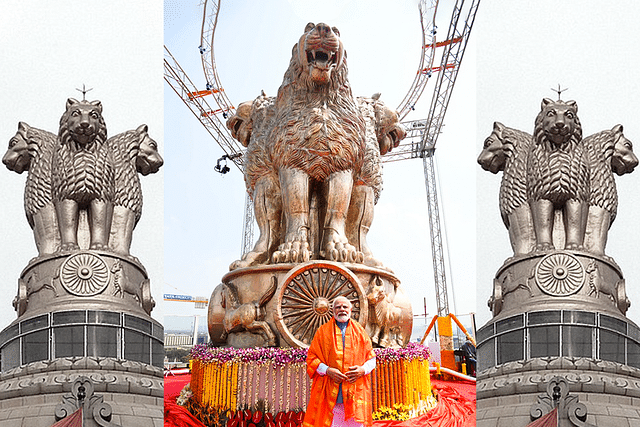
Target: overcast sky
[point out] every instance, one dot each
(48, 50)
(204, 210)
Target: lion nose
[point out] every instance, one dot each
(323, 29)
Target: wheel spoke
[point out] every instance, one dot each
(312, 289)
(303, 296)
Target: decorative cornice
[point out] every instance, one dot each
(58, 376)
(582, 375)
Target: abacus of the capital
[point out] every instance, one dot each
(84, 302)
(559, 302)
(313, 171)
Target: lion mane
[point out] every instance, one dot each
(506, 149)
(600, 147)
(82, 172)
(318, 127)
(125, 147)
(37, 146)
(558, 171)
(259, 163)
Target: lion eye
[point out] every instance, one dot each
(487, 143)
(570, 115)
(94, 115)
(551, 113)
(75, 113)
(12, 142)
(154, 146)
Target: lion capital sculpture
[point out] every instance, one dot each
(313, 158)
(318, 141)
(558, 190)
(558, 175)
(83, 175)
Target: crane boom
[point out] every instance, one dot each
(182, 85)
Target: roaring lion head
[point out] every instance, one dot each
(148, 159)
(320, 51)
(557, 124)
(389, 131)
(17, 157)
(623, 160)
(318, 59)
(82, 124)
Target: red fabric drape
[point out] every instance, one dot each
(73, 420)
(549, 420)
(453, 410)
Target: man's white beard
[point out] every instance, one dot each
(342, 318)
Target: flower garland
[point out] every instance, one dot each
(234, 379)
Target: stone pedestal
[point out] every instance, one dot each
(284, 304)
(559, 315)
(82, 314)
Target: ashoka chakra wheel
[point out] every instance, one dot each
(84, 274)
(305, 297)
(560, 274)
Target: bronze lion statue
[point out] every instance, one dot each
(317, 144)
(83, 175)
(312, 165)
(31, 149)
(251, 126)
(558, 175)
(383, 133)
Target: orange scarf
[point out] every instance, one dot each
(326, 348)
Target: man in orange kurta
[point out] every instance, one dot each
(339, 362)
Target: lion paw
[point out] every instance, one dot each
(574, 247)
(292, 252)
(249, 259)
(543, 247)
(67, 247)
(342, 252)
(99, 247)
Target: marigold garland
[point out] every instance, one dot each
(231, 379)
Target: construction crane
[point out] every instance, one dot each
(421, 134)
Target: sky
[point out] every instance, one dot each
(253, 41)
(524, 50)
(48, 50)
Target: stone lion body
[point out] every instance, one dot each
(31, 149)
(506, 150)
(83, 174)
(318, 128)
(317, 144)
(608, 152)
(133, 152)
(558, 175)
(251, 126)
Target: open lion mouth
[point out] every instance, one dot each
(321, 58)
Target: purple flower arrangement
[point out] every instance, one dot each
(284, 356)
